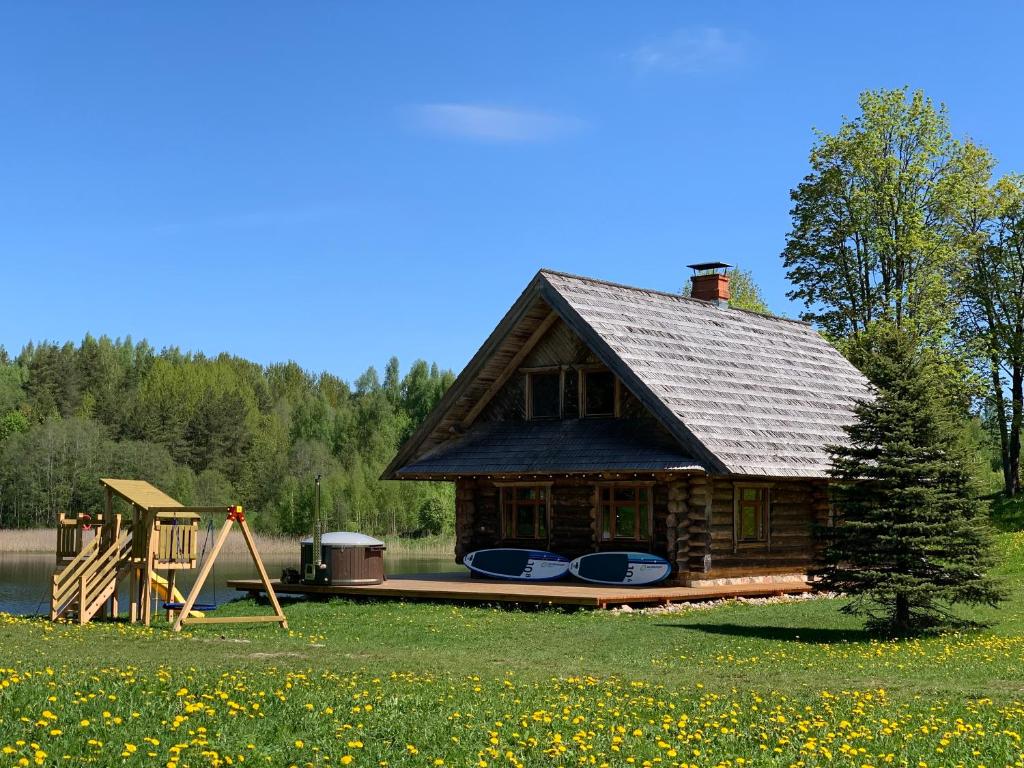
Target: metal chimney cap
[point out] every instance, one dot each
(709, 266)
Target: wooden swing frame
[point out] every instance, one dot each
(235, 515)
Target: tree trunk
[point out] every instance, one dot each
(999, 401)
(1017, 409)
(902, 612)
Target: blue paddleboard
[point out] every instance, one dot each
(621, 568)
(518, 564)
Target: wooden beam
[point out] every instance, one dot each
(264, 577)
(204, 571)
(228, 619)
(183, 615)
(511, 368)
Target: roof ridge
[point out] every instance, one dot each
(669, 294)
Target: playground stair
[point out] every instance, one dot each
(85, 584)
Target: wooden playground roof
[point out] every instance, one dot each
(140, 493)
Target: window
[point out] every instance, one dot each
(545, 390)
(751, 514)
(624, 512)
(524, 512)
(598, 393)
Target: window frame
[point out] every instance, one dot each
(529, 373)
(504, 519)
(600, 505)
(583, 372)
(764, 538)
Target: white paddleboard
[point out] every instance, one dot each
(621, 568)
(517, 564)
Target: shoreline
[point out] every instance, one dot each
(43, 541)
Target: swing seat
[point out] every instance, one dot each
(197, 607)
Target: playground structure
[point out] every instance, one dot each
(95, 554)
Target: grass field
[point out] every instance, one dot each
(401, 684)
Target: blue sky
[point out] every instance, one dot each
(334, 183)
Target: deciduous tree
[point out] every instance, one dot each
(874, 222)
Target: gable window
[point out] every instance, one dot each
(545, 395)
(524, 511)
(598, 393)
(751, 514)
(624, 512)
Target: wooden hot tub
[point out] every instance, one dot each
(347, 559)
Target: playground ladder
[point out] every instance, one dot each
(91, 578)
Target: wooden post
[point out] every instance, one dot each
(81, 599)
(235, 514)
(53, 599)
(271, 595)
(204, 571)
(147, 584)
(116, 526)
(133, 566)
(170, 592)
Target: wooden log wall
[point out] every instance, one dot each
(693, 523)
(465, 501)
(688, 514)
(572, 517)
(796, 507)
(573, 529)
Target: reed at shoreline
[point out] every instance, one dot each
(43, 541)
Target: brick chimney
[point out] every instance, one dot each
(711, 282)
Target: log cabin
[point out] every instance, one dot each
(599, 416)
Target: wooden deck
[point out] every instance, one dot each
(460, 587)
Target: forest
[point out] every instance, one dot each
(211, 431)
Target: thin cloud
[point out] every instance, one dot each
(493, 124)
(690, 50)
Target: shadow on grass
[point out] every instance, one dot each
(1007, 513)
(816, 635)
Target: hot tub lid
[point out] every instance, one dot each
(345, 539)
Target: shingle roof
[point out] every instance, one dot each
(763, 394)
(572, 445)
(741, 393)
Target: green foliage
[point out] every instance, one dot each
(991, 320)
(434, 516)
(12, 379)
(875, 223)
(13, 423)
(911, 541)
(209, 431)
(1007, 512)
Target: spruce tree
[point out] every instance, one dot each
(910, 539)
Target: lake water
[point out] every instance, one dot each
(25, 579)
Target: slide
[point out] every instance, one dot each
(160, 585)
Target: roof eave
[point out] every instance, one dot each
(507, 323)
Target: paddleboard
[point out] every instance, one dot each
(518, 564)
(625, 568)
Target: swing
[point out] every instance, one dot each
(204, 607)
(235, 516)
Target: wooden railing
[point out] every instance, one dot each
(69, 538)
(90, 578)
